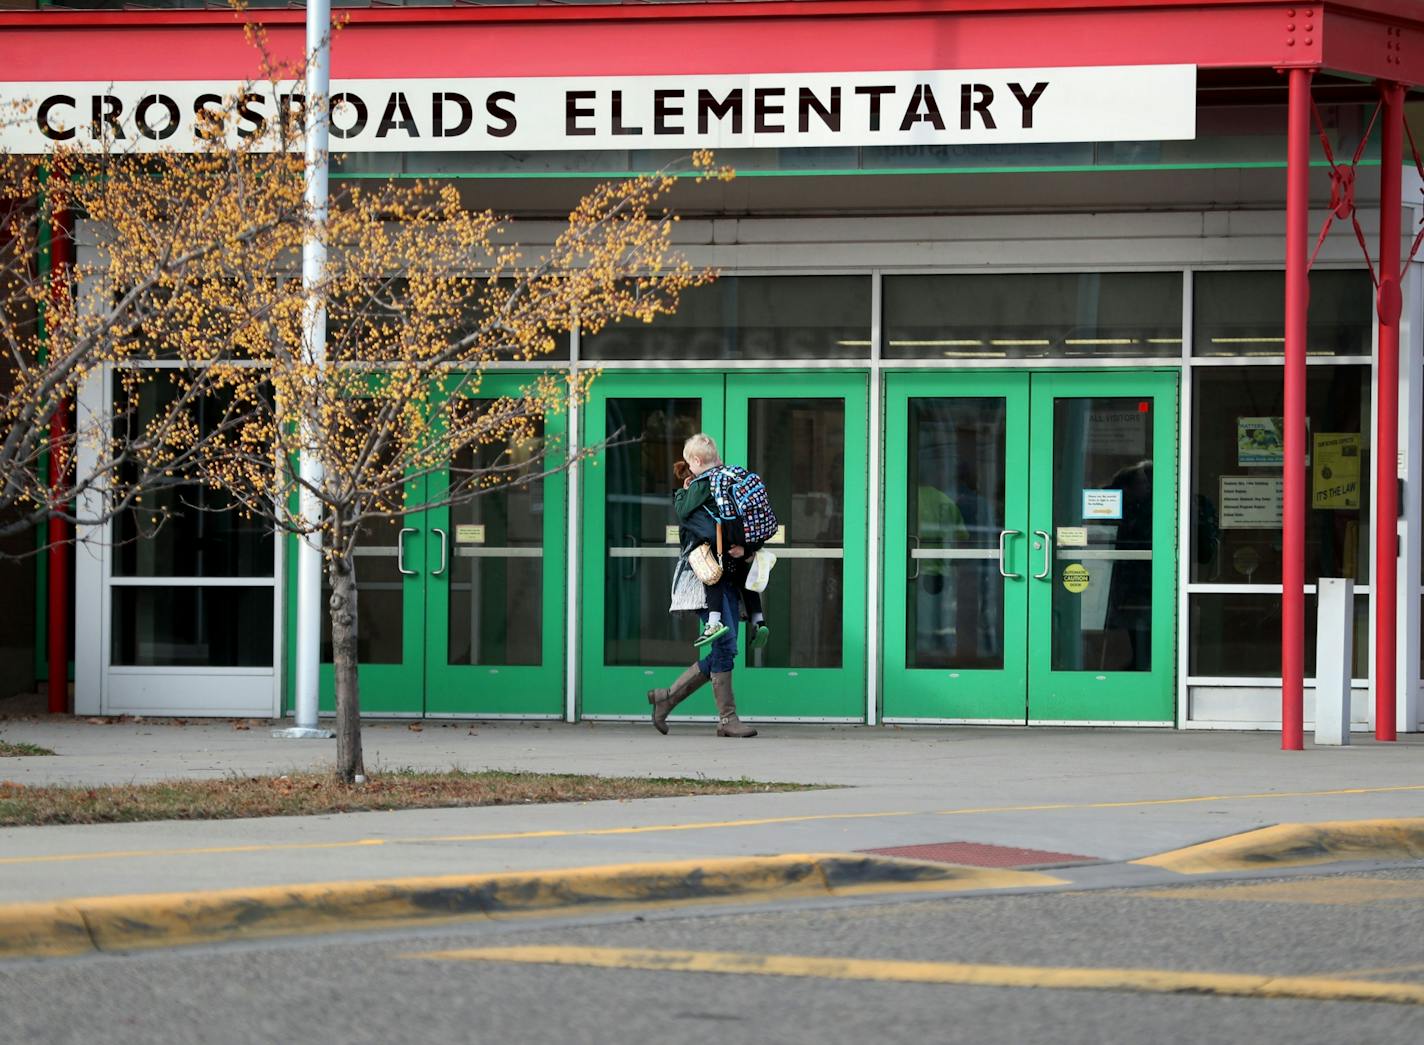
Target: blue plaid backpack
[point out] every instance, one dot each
(741, 495)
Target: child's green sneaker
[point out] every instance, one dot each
(710, 633)
(761, 635)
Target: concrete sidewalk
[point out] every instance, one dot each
(1108, 795)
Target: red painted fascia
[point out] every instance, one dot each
(815, 35)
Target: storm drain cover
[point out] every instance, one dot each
(979, 854)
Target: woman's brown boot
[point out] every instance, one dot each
(729, 725)
(664, 700)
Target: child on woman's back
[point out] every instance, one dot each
(697, 514)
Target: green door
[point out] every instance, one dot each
(956, 517)
(460, 607)
(1030, 547)
(1103, 506)
(494, 580)
(806, 434)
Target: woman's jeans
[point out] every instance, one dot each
(721, 655)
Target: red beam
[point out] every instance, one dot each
(61, 253)
(1387, 413)
(1293, 467)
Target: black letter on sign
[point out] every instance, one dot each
(573, 111)
(663, 110)
(145, 106)
(874, 93)
(390, 123)
(48, 129)
(1028, 101)
(763, 109)
(107, 109)
(207, 123)
(362, 114)
(807, 101)
(245, 111)
(967, 105)
(707, 105)
(924, 95)
(437, 120)
(252, 116)
(493, 107)
(618, 127)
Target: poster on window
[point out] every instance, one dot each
(1336, 472)
(1261, 441)
(1250, 502)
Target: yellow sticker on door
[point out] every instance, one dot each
(1076, 577)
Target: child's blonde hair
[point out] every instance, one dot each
(702, 447)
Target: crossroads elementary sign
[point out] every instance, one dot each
(781, 110)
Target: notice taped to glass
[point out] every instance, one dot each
(1250, 502)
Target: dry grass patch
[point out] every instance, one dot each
(303, 794)
(17, 749)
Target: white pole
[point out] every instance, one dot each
(309, 558)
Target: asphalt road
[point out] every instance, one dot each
(1337, 931)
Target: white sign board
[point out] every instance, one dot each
(1102, 504)
(582, 113)
(1251, 502)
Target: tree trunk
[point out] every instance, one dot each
(343, 654)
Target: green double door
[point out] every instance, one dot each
(461, 607)
(806, 434)
(1030, 547)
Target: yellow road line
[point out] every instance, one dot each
(1154, 981)
(1342, 891)
(707, 825)
(1387, 970)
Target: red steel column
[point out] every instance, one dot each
(61, 257)
(1293, 466)
(1390, 304)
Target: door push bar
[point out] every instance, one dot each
(444, 551)
(400, 550)
(1004, 535)
(1047, 547)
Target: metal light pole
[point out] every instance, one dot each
(316, 116)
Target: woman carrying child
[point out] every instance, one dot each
(698, 522)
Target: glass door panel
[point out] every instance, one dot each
(805, 434)
(495, 606)
(390, 615)
(630, 640)
(1103, 607)
(956, 455)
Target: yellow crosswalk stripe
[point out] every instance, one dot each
(1157, 981)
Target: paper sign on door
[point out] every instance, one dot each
(1102, 504)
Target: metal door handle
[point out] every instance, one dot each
(444, 550)
(1047, 555)
(1004, 535)
(916, 574)
(400, 550)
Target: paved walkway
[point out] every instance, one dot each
(1106, 794)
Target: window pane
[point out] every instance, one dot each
(798, 447)
(1106, 624)
(1029, 315)
(954, 605)
(1238, 635)
(750, 317)
(192, 627)
(1243, 314)
(188, 530)
(638, 561)
(1236, 474)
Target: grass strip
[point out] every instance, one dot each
(306, 794)
(9, 749)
